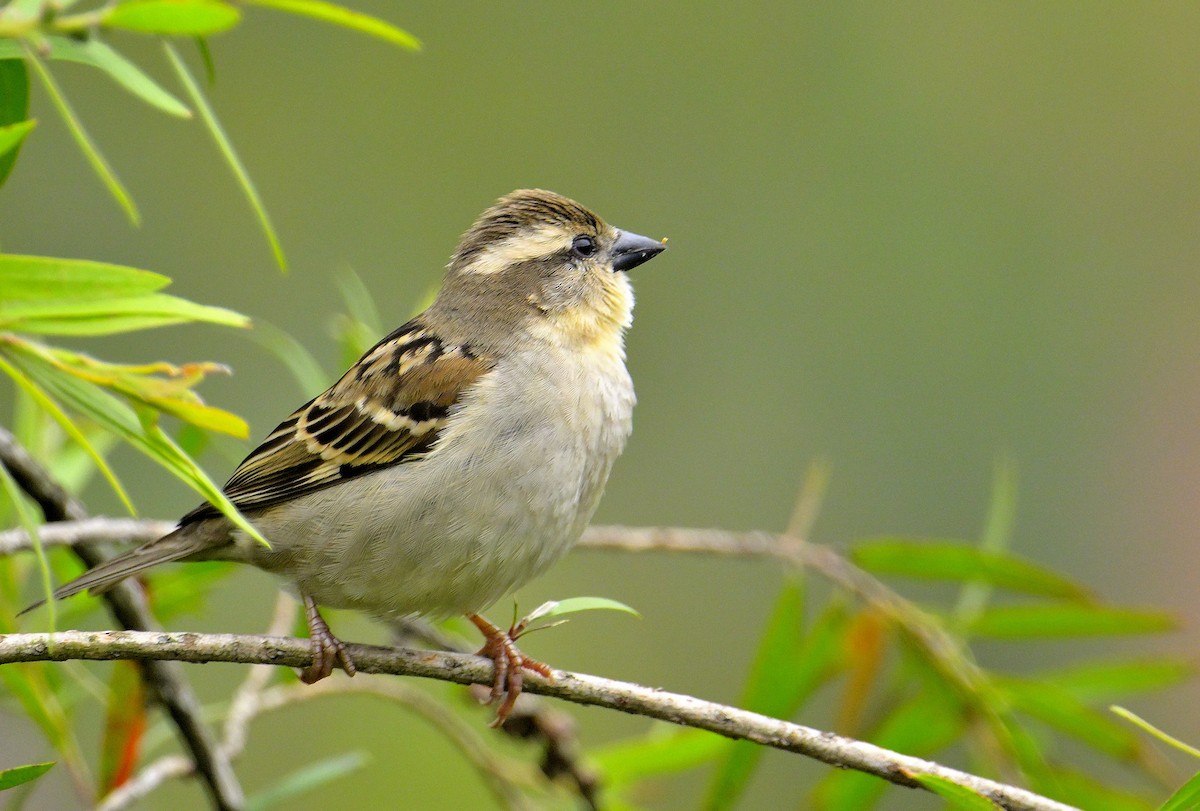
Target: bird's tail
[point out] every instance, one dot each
(184, 541)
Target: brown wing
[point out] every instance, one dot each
(387, 409)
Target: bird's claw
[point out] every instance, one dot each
(508, 662)
(326, 648)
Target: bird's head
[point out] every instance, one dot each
(543, 264)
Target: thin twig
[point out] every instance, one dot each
(925, 631)
(463, 669)
(164, 680)
(87, 530)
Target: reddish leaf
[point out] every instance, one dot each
(124, 725)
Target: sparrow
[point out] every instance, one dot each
(459, 457)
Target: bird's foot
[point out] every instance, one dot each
(501, 648)
(326, 648)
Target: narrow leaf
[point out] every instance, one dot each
(664, 750)
(41, 704)
(573, 605)
(111, 316)
(99, 55)
(186, 588)
(18, 10)
(226, 148)
(124, 726)
(330, 13)
(305, 368)
(83, 140)
(14, 105)
(147, 437)
(173, 17)
(47, 404)
(921, 726)
(951, 560)
(1064, 713)
(22, 774)
(1067, 620)
(996, 537)
(25, 517)
(957, 797)
(307, 779)
(790, 665)
(12, 135)
(1082, 790)
(1185, 798)
(1106, 681)
(44, 278)
(1146, 726)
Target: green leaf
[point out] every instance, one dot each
(30, 684)
(1061, 711)
(136, 428)
(47, 404)
(1106, 681)
(665, 749)
(111, 316)
(310, 777)
(330, 13)
(27, 520)
(22, 774)
(926, 723)
(42, 278)
(360, 304)
(1146, 726)
(957, 797)
(996, 537)
(300, 362)
(83, 140)
(185, 589)
(23, 10)
(12, 135)
(14, 106)
(210, 67)
(1066, 621)
(226, 148)
(1081, 790)
(97, 54)
(952, 560)
(173, 17)
(788, 668)
(573, 605)
(1185, 798)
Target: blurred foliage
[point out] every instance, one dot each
(905, 672)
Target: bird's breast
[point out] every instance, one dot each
(506, 490)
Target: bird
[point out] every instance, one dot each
(459, 457)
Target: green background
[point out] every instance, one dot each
(905, 238)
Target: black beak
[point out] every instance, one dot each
(631, 250)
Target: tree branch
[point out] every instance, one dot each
(464, 669)
(164, 680)
(926, 633)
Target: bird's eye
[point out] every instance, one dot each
(583, 247)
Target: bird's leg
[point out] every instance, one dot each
(325, 647)
(500, 646)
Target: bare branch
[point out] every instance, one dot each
(941, 648)
(925, 631)
(165, 680)
(463, 669)
(87, 530)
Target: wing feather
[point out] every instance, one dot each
(388, 409)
